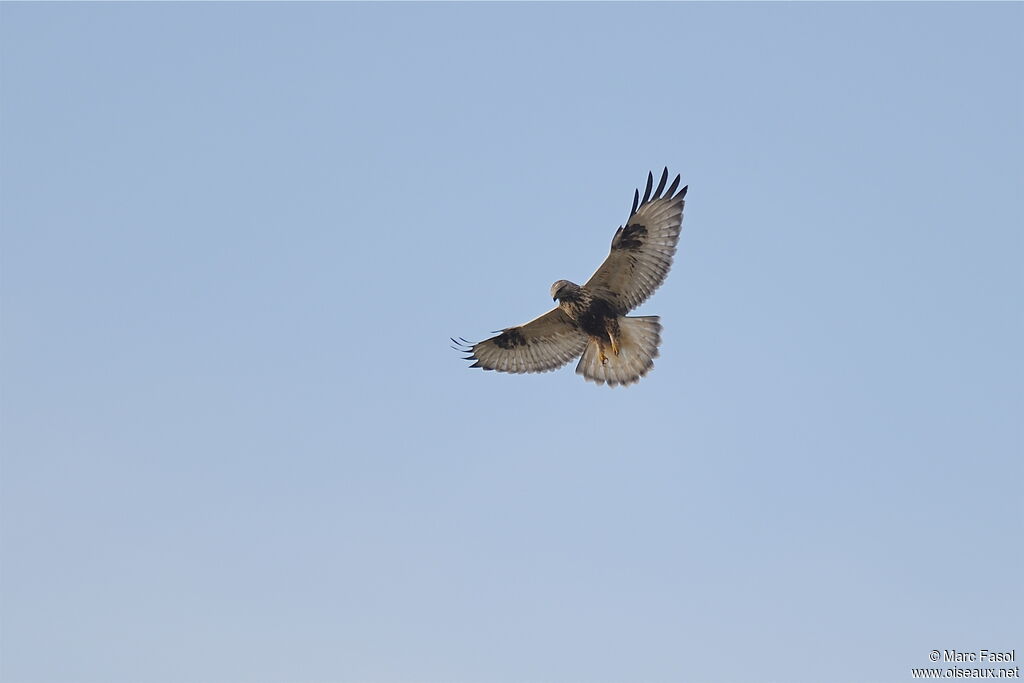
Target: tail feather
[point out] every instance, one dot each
(639, 340)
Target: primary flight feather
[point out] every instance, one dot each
(591, 319)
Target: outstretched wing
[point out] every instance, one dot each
(642, 250)
(543, 344)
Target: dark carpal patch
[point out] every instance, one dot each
(510, 339)
(632, 236)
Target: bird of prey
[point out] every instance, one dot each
(590, 319)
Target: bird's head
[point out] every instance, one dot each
(563, 288)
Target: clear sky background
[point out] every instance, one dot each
(238, 448)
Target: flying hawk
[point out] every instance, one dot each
(591, 319)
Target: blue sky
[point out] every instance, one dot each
(237, 445)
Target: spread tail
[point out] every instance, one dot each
(638, 347)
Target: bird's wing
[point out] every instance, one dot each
(642, 250)
(543, 344)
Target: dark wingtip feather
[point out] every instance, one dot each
(463, 346)
(636, 202)
(661, 183)
(650, 184)
(672, 188)
(682, 193)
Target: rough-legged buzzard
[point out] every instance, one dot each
(591, 318)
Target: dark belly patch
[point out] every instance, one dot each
(596, 318)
